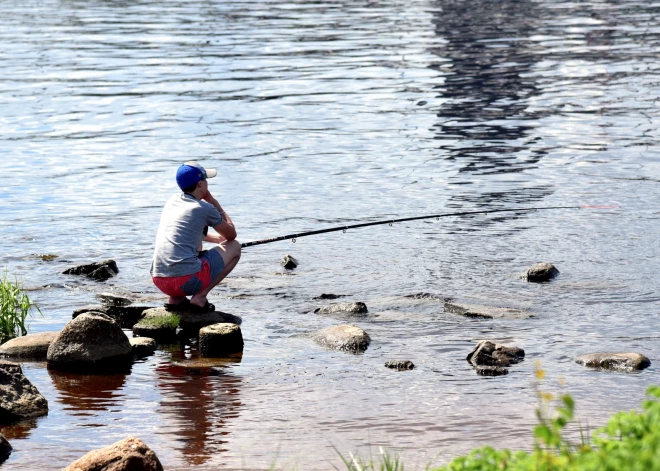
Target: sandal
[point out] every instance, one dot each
(182, 306)
(208, 307)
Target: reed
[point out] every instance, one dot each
(15, 308)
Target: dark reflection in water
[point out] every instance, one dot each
(201, 398)
(484, 124)
(19, 430)
(84, 394)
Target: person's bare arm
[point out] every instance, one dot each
(226, 229)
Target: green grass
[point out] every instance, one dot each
(15, 308)
(171, 320)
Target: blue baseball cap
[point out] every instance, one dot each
(191, 172)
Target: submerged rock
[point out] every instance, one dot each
(111, 299)
(219, 340)
(125, 316)
(487, 353)
(343, 308)
(289, 262)
(99, 271)
(345, 337)
(142, 346)
(29, 347)
(329, 296)
(129, 454)
(5, 448)
(485, 312)
(491, 371)
(541, 272)
(614, 361)
(19, 399)
(400, 365)
(90, 340)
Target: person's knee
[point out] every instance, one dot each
(235, 249)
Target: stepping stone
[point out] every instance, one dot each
(19, 399)
(128, 454)
(142, 346)
(541, 272)
(625, 362)
(125, 316)
(343, 308)
(29, 347)
(345, 337)
(485, 312)
(219, 340)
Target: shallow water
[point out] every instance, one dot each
(326, 113)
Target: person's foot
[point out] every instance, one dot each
(201, 304)
(177, 303)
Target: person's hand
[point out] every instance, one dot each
(208, 197)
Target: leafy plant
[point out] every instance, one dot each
(15, 307)
(170, 320)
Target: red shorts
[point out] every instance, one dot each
(187, 285)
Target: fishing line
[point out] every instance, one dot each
(293, 237)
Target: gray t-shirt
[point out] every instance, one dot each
(180, 232)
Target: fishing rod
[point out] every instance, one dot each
(293, 237)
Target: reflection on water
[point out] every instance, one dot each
(83, 394)
(199, 401)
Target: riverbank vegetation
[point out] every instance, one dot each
(630, 441)
(15, 307)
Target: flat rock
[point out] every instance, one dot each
(487, 353)
(485, 312)
(218, 340)
(19, 399)
(343, 308)
(400, 365)
(90, 340)
(99, 271)
(491, 370)
(289, 262)
(5, 448)
(129, 454)
(142, 346)
(614, 361)
(541, 272)
(111, 299)
(125, 316)
(329, 296)
(28, 347)
(345, 337)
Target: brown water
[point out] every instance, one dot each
(325, 113)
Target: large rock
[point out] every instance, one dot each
(541, 272)
(343, 337)
(5, 448)
(129, 454)
(29, 347)
(343, 308)
(485, 312)
(99, 271)
(125, 316)
(155, 323)
(487, 353)
(614, 361)
(91, 340)
(19, 399)
(218, 340)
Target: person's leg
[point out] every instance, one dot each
(231, 254)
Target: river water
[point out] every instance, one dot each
(328, 113)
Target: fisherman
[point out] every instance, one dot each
(180, 267)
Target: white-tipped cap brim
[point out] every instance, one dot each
(211, 172)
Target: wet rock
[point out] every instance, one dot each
(162, 329)
(110, 299)
(29, 347)
(491, 371)
(614, 361)
(329, 296)
(345, 337)
(91, 340)
(492, 354)
(485, 312)
(129, 454)
(99, 271)
(46, 257)
(424, 295)
(400, 365)
(541, 272)
(142, 346)
(19, 399)
(5, 448)
(289, 262)
(125, 316)
(218, 340)
(343, 308)
(188, 322)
